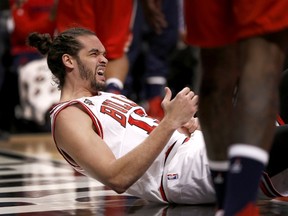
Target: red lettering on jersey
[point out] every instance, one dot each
(118, 116)
(141, 124)
(121, 107)
(118, 110)
(140, 112)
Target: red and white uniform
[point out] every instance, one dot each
(180, 174)
(222, 22)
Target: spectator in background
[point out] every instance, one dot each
(30, 16)
(27, 16)
(111, 20)
(155, 46)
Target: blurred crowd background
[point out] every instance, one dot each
(150, 61)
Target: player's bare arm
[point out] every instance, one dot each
(75, 135)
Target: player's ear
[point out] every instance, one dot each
(68, 61)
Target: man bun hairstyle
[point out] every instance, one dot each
(64, 43)
(41, 42)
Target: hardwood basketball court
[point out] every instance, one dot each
(35, 180)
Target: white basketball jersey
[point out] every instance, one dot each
(123, 125)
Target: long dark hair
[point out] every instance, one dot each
(64, 43)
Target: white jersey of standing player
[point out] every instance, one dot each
(180, 174)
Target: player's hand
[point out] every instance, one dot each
(189, 127)
(181, 108)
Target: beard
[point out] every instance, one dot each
(88, 74)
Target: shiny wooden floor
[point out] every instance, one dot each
(34, 180)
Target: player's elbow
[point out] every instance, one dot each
(119, 188)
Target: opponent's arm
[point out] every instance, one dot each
(75, 135)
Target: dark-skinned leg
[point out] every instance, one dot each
(261, 63)
(219, 79)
